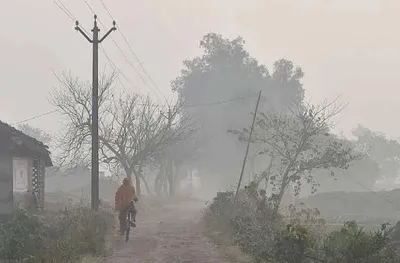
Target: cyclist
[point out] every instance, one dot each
(124, 198)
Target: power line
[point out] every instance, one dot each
(69, 14)
(134, 54)
(35, 117)
(121, 51)
(65, 10)
(108, 11)
(114, 66)
(160, 105)
(102, 49)
(216, 102)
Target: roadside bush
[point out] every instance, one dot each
(62, 237)
(299, 237)
(21, 237)
(352, 244)
(294, 244)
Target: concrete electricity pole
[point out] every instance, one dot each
(95, 108)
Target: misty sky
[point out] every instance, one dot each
(345, 47)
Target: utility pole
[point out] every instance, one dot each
(247, 150)
(95, 195)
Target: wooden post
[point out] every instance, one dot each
(247, 150)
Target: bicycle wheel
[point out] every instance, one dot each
(128, 228)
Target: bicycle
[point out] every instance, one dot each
(128, 223)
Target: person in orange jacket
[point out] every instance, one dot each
(124, 198)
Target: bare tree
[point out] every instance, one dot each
(299, 142)
(132, 128)
(176, 160)
(36, 133)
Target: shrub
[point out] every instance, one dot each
(300, 237)
(247, 226)
(352, 244)
(63, 237)
(22, 236)
(294, 244)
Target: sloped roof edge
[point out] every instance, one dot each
(31, 143)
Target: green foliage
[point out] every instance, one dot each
(381, 161)
(297, 143)
(352, 244)
(382, 150)
(221, 204)
(298, 237)
(54, 238)
(293, 243)
(226, 71)
(22, 236)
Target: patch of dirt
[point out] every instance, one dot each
(171, 234)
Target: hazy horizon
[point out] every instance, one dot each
(344, 48)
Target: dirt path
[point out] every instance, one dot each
(171, 235)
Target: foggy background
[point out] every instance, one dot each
(347, 48)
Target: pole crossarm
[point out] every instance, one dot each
(79, 29)
(109, 32)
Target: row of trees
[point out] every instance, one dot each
(293, 142)
(134, 131)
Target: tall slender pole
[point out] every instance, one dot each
(95, 118)
(247, 150)
(95, 195)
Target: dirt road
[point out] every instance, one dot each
(173, 234)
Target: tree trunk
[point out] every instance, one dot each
(164, 178)
(170, 178)
(279, 200)
(158, 183)
(285, 178)
(178, 175)
(136, 173)
(138, 188)
(146, 185)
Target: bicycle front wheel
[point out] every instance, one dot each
(127, 228)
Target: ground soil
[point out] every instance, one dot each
(167, 234)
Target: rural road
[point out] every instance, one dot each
(171, 234)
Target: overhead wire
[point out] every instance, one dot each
(115, 67)
(184, 106)
(102, 49)
(134, 54)
(63, 8)
(35, 117)
(68, 13)
(118, 47)
(216, 102)
(120, 50)
(61, 5)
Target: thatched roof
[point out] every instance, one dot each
(13, 141)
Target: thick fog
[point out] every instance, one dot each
(298, 99)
